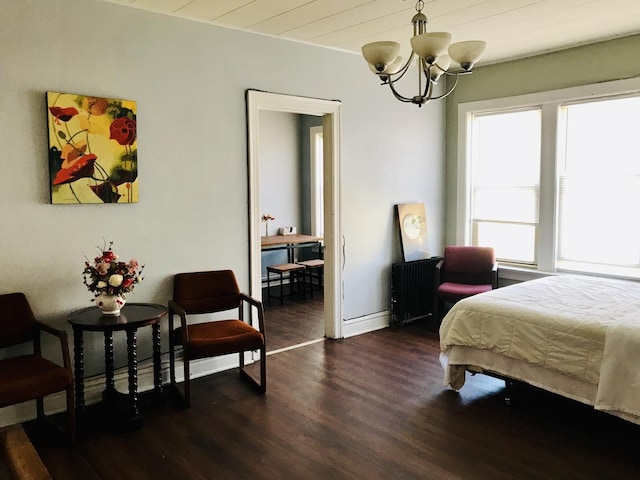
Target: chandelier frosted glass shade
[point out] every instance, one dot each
(435, 54)
(444, 62)
(380, 54)
(467, 53)
(431, 45)
(391, 69)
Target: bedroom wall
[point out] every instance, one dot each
(588, 64)
(189, 80)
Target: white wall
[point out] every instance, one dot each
(189, 81)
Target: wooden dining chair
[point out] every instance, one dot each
(30, 376)
(210, 292)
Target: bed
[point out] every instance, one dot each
(573, 335)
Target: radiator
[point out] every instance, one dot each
(412, 290)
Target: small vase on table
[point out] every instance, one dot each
(110, 304)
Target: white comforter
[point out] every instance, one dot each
(582, 329)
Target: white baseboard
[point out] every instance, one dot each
(365, 324)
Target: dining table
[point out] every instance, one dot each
(289, 243)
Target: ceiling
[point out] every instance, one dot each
(511, 28)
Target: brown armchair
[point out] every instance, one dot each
(464, 271)
(211, 292)
(30, 376)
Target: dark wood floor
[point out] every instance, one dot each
(297, 321)
(367, 407)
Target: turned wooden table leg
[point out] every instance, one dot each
(108, 366)
(157, 366)
(132, 351)
(78, 357)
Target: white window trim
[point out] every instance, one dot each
(549, 102)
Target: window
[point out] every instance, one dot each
(505, 183)
(599, 186)
(552, 180)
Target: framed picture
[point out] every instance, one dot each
(93, 149)
(413, 230)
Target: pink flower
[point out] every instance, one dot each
(102, 268)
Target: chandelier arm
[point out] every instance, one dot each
(400, 73)
(397, 95)
(450, 90)
(429, 85)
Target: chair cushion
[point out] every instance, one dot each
(30, 376)
(220, 337)
(456, 291)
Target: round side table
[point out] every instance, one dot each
(132, 316)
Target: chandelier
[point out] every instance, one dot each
(434, 53)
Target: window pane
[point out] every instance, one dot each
(491, 204)
(514, 242)
(597, 223)
(507, 150)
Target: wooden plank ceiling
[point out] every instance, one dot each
(511, 28)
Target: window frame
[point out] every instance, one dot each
(549, 102)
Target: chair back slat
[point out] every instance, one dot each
(206, 292)
(17, 322)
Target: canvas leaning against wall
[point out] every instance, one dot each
(413, 230)
(93, 149)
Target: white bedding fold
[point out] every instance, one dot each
(619, 385)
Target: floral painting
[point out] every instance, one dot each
(93, 149)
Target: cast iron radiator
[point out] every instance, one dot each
(412, 290)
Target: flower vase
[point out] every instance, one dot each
(266, 229)
(110, 304)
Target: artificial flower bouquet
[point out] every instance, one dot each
(109, 276)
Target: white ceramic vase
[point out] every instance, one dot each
(110, 304)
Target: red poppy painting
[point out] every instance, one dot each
(93, 149)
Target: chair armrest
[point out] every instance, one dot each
(258, 304)
(64, 341)
(176, 309)
(438, 271)
(494, 275)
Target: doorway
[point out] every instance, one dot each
(330, 110)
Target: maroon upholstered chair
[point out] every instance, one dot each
(464, 271)
(29, 376)
(211, 292)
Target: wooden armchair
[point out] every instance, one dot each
(211, 292)
(30, 376)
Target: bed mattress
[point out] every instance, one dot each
(574, 335)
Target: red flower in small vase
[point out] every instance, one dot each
(123, 131)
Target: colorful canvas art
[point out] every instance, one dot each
(93, 149)
(413, 230)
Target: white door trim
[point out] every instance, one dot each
(330, 110)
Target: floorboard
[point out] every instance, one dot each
(368, 407)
